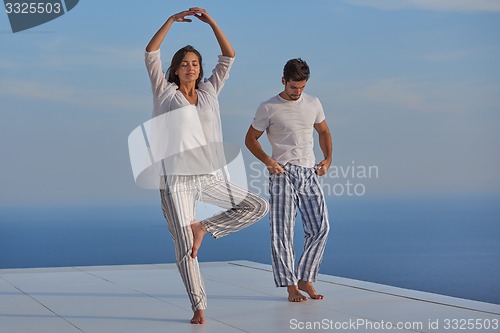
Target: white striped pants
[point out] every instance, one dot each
(297, 188)
(178, 196)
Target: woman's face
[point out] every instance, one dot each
(189, 69)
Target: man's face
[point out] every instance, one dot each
(294, 89)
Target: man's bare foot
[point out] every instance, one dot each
(307, 287)
(198, 232)
(294, 294)
(198, 317)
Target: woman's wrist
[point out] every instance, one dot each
(212, 24)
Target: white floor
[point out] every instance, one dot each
(241, 298)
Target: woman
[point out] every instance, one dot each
(183, 92)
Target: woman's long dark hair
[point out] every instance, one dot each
(176, 63)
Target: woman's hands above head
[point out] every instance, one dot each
(155, 42)
(181, 16)
(199, 13)
(202, 15)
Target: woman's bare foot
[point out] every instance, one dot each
(294, 294)
(198, 317)
(307, 287)
(198, 232)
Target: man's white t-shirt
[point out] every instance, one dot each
(289, 126)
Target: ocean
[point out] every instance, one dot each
(444, 245)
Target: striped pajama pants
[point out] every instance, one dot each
(178, 196)
(297, 188)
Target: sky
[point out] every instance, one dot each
(410, 88)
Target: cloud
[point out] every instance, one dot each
(396, 92)
(59, 69)
(8, 64)
(433, 5)
(72, 96)
(62, 53)
(399, 93)
(445, 56)
(107, 57)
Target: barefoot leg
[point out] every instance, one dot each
(307, 287)
(294, 294)
(198, 232)
(198, 317)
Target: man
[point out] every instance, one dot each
(289, 119)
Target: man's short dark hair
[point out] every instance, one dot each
(296, 70)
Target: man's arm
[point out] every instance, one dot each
(252, 143)
(325, 142)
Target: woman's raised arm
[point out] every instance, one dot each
(155, 42)
(225, 46)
